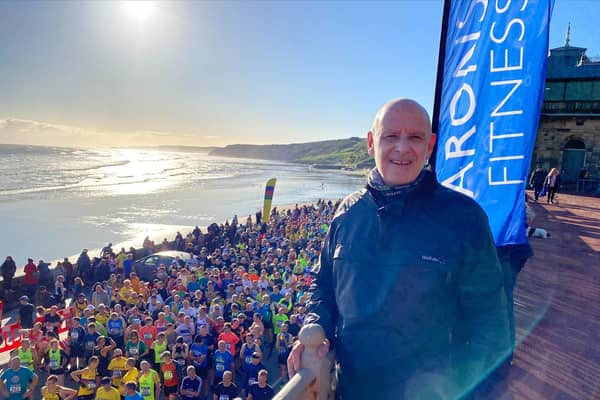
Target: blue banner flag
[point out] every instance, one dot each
(490, 87)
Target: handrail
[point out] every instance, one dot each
(300, 386)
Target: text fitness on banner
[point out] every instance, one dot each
(493, 83)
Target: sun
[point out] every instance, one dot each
(141, 10)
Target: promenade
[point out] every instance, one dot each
(557, 306)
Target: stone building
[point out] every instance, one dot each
(569, 130)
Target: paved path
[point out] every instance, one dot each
(557, 306)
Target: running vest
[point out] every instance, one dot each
(248, 354)
(158, 350)
(26, 358)
(161, 326)
(147, 385)
(54, 359)
(179, 358)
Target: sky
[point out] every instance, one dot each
(202, 73)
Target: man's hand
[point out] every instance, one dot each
(294, 362)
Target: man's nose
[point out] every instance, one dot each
(401, 144)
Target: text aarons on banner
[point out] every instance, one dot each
(494, 70)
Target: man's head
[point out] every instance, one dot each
(106, 384)
(15, 363)
(227, 376)
(401, 141)
(263, 376)
(191, 371)
(130, 388)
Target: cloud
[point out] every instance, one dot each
(29, 132)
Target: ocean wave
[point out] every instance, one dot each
(93, 167)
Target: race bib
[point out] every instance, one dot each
(15, 389)
(180, 362)
(145, 391)
(116, 374)
(220, 367)
(89, 345)
(248, 360)
(147, 336)
(53, 364)
(168, 375)
(91, 385)
(133, 351)
(75, 335)
(252, 381)
(115, 331)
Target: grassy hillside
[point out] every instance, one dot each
(341, 153)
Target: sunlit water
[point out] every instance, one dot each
(56, 201)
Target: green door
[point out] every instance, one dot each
(572, 163)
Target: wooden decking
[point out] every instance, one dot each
(557, 306)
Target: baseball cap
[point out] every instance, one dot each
(23, 298)
(105, 380)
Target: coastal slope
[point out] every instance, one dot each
(348, 153)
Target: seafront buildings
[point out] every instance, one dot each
(569, 130)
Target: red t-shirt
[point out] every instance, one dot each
(148, 334)
(231, 339)
(169, 372)
(29, 270)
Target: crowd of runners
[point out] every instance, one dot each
(200, 329)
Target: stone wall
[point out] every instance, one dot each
(554, 133)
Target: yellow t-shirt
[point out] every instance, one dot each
(111, 394)
(117, 368)
(130, 375)
(121, 257)
(47, 395)
(102, 318)
(88, 383)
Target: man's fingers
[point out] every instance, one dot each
(293, 361)
(323, 349)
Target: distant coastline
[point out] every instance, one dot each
(342, 154)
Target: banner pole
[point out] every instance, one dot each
(439, 81)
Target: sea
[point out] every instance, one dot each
(55, 201)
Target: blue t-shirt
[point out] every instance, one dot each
(135, 396)
(16, 381)
(193, 286)
(259, 393)
(191, 384)
(197, 350)
(127, 266)
(252, 373)
(222, 363)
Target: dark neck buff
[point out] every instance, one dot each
(375, 184)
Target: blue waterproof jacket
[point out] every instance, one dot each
(410, 292)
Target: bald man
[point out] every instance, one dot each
(409, 287)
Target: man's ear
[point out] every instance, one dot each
(370, 144)
(431, 144)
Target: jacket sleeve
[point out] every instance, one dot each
(483, 338)
(322, 307)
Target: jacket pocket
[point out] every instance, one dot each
(370, 284)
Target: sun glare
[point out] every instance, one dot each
(140, 10)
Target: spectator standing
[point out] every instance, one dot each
(8, 270)
(537, 181)
(31, 278)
